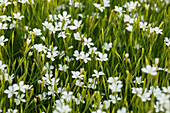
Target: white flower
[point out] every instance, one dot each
(12, 25)
(137, 46)
(106, 3)
(77, 24)
(158, 107)
(119, 9)
(137, 91)
(52, 17)
(10, 91)
(61, 54)
(21, 86)
(79, 83)
(166, 90)
(5, 18)
(53, 50)
(126, 55)
(163, 98)
(102, 57)
(88, 42)
(132, 5)
(167, 41)
(42, 96)
(28, 41)
(84, 56)
(98, 111)
(63, 68)
(77, 55)
(157, 30)
(129, 28)
(63, 34)
(123, 110)
(156, 91)
(62, 109)
(4, 2)
(51, 90)
(8, 77)
(67, 96)
(166, 106)
(114, 98)
(68, 59)
(24, 1)
(2, 66)
(138, 80)
(147, 6)
(18, 16)
(64, 16)
(150, 70)
(76, 74)
(12, 111)
(97, 74)
(106, 104)
(99, 6)
(145, 96)
(2, 40)
(51, 55)
(37, 32)
(92, 50)
(128, 19)
(143, 25)
(40, 47)
(20, 99)
(77, 36)
(79, 99)
(59, 26)
(3, 26)
(116, 87)
(47, 25)
(107, 46)
(113, 80)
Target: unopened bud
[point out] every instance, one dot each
(15, 3)
(42, 56)
(70, 47)
(35, 62)
(28, 41)
(156, 61)
(126, 55)
(81, 70)
(10, 80)
(30, 53)
(4, 9)
(43, 38)
(44, 68)
(35, 99)
(147, 6)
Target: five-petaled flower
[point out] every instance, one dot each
(150, 70)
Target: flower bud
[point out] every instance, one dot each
(28, 41)
(35, 99)
(44, 68)
(4, 9)
(81, 70)
(42, 55)
(70, 47)
(30, 53)
(156, 61)
(126, 55)
(39, 81)
(15, 3)
(43, 38)
(147, 6)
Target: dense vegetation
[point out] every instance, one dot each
(84, 56)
